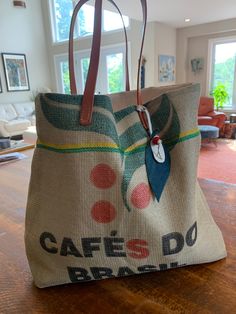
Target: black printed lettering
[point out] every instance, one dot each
(174, 265)
(101, 272)
(190, 239)
(89, 247)
(78, 274)
(68, 248)
(125, 271)
(114, 247)
(172, 243)
(146, 268)
(163, 266)
(44, 239)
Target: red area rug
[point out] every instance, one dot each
(218, 163)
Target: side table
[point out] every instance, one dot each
(229, 130)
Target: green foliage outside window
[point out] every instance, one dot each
(115, 76)
(224, 75)
(63, 10)
(115, 72)
(85, 67)
(220, 95)
(65, 77)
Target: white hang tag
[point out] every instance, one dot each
(158, 152)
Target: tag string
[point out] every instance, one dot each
(144, 110)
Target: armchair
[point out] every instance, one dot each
(207, 115)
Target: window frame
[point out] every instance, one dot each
(54, 29)
(102, 82)
(211, 64)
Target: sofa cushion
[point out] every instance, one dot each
(7, 112)
(24, 109)
(17, 125)
(32, 120)
(204, 118)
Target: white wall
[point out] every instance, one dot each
(22, 31)
(165, 42)
(160, 40)
(193, 42)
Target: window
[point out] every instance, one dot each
(62, 74)
(223, 68)
(111, 70)
(115, 73)
(84, 68)
(62, 10)
(64, 67)
(112, 21)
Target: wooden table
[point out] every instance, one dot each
(209, 288)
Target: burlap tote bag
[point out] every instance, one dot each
(102, 203)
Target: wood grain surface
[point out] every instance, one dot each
(208, 288)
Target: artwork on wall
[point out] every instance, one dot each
(166, 68)
(197, 64)
(16, 73)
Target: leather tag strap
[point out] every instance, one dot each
(71, 47)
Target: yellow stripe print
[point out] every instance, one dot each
(183, 137)
(78, 146)
(190, 132)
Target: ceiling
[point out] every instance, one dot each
(174, 12)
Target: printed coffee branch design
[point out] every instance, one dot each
(115, 247)
(129, 144)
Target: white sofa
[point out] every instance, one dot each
(16, 118)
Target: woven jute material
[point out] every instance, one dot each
(91, 213)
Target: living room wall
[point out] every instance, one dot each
(22, 31)
(193, 42)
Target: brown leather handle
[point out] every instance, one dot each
(89, 90)
(144, 7)
(88, 98)
(71, 44)
(139, 98)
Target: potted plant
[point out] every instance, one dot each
(220, 95)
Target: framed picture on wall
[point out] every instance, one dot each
(16, 73)
(166, 68)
